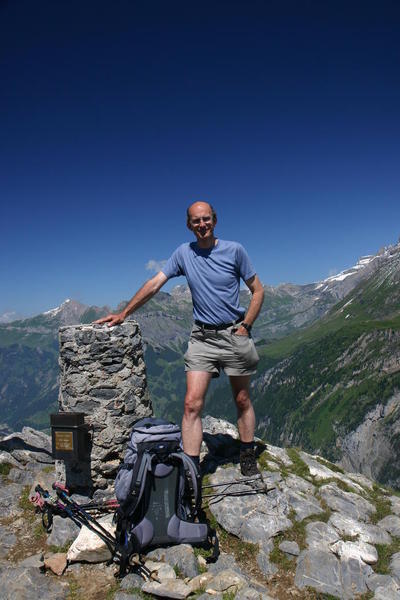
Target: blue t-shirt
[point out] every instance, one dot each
(213, 276)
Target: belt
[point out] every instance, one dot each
(218, 327)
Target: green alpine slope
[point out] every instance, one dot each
(319, 384)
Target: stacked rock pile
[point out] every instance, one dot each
(103, 375)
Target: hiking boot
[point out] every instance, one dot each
(248, 463)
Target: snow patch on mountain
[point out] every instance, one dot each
(54, 311)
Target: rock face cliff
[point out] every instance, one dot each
(315, 532)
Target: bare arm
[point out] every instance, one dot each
(257, 298)
(147, 291)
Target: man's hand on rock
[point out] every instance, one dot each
(111, 319)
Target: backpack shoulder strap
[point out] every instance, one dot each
(193, 475)
(139, 474)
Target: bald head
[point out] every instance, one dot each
(203, 206)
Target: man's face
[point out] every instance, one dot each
(201, 221)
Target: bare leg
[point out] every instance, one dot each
(192, 432)
(245, 411)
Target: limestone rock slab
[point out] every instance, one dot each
(320, 535)
(395, 566)
(289, 548)
(63, 531)
(7, 540)
(391, 524)
(181, 556)
(170, 589)
(357, 550)
(354, 575)
(89, 547)
(320, 570)
(390, 591)
(24, 583)
(366, 532)
(249, 593)
(227, 580)
(132, 580)
(347, 503)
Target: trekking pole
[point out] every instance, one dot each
(111, 503)
(85, 518)
(234, 494)
(236, 482)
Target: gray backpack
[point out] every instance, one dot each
(159, 492)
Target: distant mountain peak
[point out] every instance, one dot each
(68, 312)
(55, 311)
(364, 267)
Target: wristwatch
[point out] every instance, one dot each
(246, 326)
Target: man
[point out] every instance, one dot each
(221, 333)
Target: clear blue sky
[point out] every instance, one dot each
(116, 115)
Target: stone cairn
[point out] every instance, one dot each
(103, 375)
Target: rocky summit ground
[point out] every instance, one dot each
(314, 532)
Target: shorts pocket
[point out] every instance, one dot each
(245, 349)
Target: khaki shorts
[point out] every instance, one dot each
(210, 350)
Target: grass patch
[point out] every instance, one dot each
(112, 591)
(385, 552)
(178, 572)
(299, 467)
(60, 549)
(26, 506)
(228, 595)
(267, 462)
(345, 487)
(297, 533)
(313, 595)
(204, 554)
(244, 552)
(381, 502)
(73, 590)
(278, 557)
(330, 465)
(5, 469)
(38, 532)
(49, 469)
(348, 538)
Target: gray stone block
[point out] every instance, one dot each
(7, 540)
(289, 548)
(181, 556)
(347, 503)
(27, 583)
(354, 575)
(391, 524)
(395, 566)
(130, 581)
(320, 570)
(63, 531)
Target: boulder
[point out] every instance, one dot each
(57, 563)
(63, 531)
(174, 588)
(182, 557)
(90, 547)
(28, 583)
